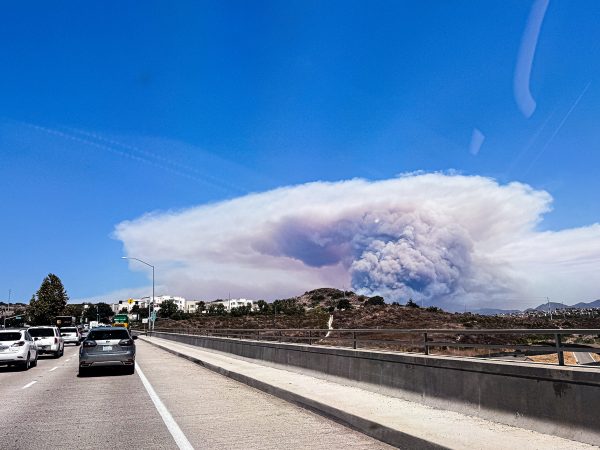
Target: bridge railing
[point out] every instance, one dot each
(477, 341)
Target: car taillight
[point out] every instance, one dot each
(18, 344)
(56, 340)
(89, 343)
(125, 342)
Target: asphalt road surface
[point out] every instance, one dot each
(49, 406)
(584, 358)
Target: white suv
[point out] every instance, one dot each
(48, 340)
(71, 335)
(17, 348)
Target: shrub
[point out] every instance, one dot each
(344, 304)
(375, 301)
(411, 304)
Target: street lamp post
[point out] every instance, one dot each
(150, 304)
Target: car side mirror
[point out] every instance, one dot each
(36, 339)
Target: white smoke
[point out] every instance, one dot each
(447, 239)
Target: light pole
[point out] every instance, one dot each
(150, 304)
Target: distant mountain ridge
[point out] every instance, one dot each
(543, 307)
(594, 304)
(554, 305)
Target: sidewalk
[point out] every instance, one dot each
(394, 421)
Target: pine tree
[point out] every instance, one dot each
(48, 302)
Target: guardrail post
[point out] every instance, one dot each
(561, 357)
(258, 335)
(354, 340)
(309, 337)
(425, 345)
(280, 335)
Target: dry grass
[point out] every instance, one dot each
(596, 357)
(552, 358)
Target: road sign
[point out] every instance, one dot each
(144, 320)
(153, 316)
(130, 301)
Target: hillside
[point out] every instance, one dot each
(319, 303)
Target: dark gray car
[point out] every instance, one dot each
(107, 346)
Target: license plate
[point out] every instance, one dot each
(106, 348)
(44, 347)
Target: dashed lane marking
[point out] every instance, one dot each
(29, 385)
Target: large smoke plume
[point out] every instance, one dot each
(444, 239)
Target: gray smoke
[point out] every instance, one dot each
(394, 252)
(446, 239)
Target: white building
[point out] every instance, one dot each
(191, 306)
(143, 303)
(179, 301)
(188, 306)
(234, 303)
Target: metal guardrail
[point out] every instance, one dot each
(362, 338)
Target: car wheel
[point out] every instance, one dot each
(34, 363)
(130, 370)
(27, 364)
(57, 354)
(83, 371)
(78, 344)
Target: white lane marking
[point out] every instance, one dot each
(29, 385)
(54, 368)
(67, 360)
(167, 418)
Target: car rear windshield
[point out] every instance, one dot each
(68, 330)
(41, 332)
(108, 334)
(14, 336)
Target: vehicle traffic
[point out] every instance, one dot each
(107, 347)
(17, 348)
(71, 335)
(48, 340)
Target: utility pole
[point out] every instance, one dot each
(549, 309)
(150, 304)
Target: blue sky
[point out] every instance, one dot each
(110, 111)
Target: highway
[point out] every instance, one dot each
(584, 358)
(49, 406)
